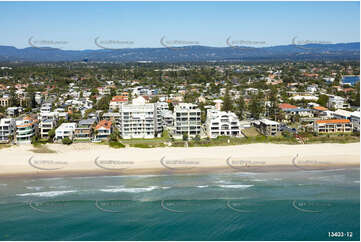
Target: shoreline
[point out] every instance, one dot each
(96, 160)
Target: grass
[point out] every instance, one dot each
(250, 132)
(143, 145)
(116, 145)
(4, 146)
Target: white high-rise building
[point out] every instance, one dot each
(139, 120)
(187, 120)
(221, 123)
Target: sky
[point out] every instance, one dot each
(94, 25)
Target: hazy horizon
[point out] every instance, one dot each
(93, 25)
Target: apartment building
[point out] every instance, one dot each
(220, 123)
(65, 130)
(7, 129)
(26, 128)
(268, 127)
(333, 126)
(45, 126)
(187, 120)
(139, 121)
(355, 120)
(337, 102)
(84, 130)
(103, 130)
(167, 118)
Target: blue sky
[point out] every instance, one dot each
(143, 24)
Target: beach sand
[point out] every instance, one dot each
(95, 159)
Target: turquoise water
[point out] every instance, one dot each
(292, 205)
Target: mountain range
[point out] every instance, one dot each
(308, 52)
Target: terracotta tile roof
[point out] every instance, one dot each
(286, 106)
(320, 108)
(119, 100)
(104, 124)
(333, 121)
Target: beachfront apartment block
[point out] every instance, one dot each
(332, 126)
(65, 130)
(337, 102)
(138, 121)
(268, 127)
(221, 123)
(45, 126)
(84, 130)
(187, 120)
(103, 130)
(7, 129)
(26, 128)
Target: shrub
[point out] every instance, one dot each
(66, 141)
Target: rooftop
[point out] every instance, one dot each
(333, 121)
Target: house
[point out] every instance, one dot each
(220, 123)
(7, 129)
(4, 101)
(187, 120)
(26, 128)
(117, 101)
(319, 111)
(301, 112)
(65, 130)
(14, 111)
(332, 126)
(103, 130)
(268, 127)
(84, 130)
(285, 106)
(218, 104)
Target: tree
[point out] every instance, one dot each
(227, 102)
(51, 135)
(185, 137)
(241, 107)
(323, 100)
(255, 107)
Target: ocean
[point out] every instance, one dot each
(287, 205)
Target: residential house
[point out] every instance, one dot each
(65, 130)
(84, 130)
(103, 130)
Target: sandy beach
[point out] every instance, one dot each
(95, 159)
